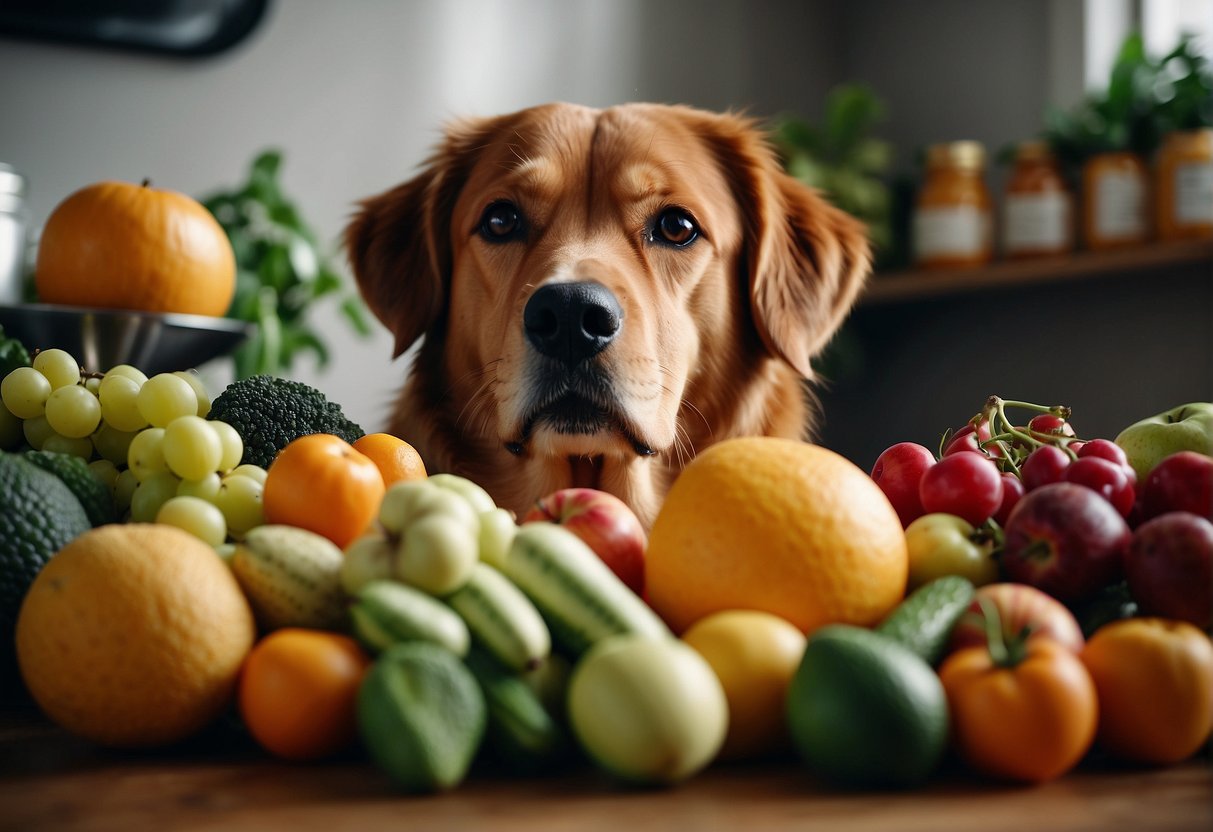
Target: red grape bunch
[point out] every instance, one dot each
(1035, 503)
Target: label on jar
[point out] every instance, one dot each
(1036, 222)
(955, 231)
(1120, 206)
(1194, 194)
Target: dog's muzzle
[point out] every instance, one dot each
(568, 324)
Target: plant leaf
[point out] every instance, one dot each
(354, 311)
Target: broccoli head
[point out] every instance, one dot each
(270, 412)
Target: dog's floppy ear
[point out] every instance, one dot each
(806, 259)
(398, 242)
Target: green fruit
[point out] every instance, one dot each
(292, 578)
(1188, 427)
(550, 682)
(422, 716)
(582, 600)
(387, 612)
(97, 500)
(924, 621)
(476, 496)
(521, 732)
(941, 544)
(39, 515)
(648, 710)
(864, 711)
(502, 619)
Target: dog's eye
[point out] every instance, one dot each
(500, 222)
(675, 227)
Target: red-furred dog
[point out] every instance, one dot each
(602, 294)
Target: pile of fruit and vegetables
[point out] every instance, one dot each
(1014, 602)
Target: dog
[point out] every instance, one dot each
(602, 293)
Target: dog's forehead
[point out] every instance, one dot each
(640, 151)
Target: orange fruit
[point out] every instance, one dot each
(320, 483)
(119, 245)
(396, 459)
(133, 635)
(776, 525)
(1154, 677)
(298, 692)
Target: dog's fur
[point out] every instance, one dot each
(716, 336)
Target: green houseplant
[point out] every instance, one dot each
(1144, 100)
(282, 270)
(841, 158)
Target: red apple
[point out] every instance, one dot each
(1012, 491)
(1065, 539)
(1169, 567)
(1181, 482)
(605, 523)
(1019, 607)
(898, 471)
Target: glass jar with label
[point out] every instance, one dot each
(1114, 200)
(1037, 215)
(1184, 183)
(12, 234)
(953, 208)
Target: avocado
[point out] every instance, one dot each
(865, 711)
(93, 495)
(39, 515)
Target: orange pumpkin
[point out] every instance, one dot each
(122, 246)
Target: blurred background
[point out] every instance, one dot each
(339, 101)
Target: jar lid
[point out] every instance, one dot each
(966, 155)
(11, 182)
(1034, 150)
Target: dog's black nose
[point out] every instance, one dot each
(571, 322)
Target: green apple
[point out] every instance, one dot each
(1188, 427)
(942, 544)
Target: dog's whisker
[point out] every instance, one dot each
(474, 403)
(471, 375)
(691, 405)
(684, 447)
(480, 398)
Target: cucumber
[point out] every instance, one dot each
(292, 578)
(580, 597)
(521, 732)
(502, 618)
(924, 620)
(387, 613)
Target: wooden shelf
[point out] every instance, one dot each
(908, 286)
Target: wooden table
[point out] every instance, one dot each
(51, 781)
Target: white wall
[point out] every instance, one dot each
(354, 93)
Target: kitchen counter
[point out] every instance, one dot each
(50, 780)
